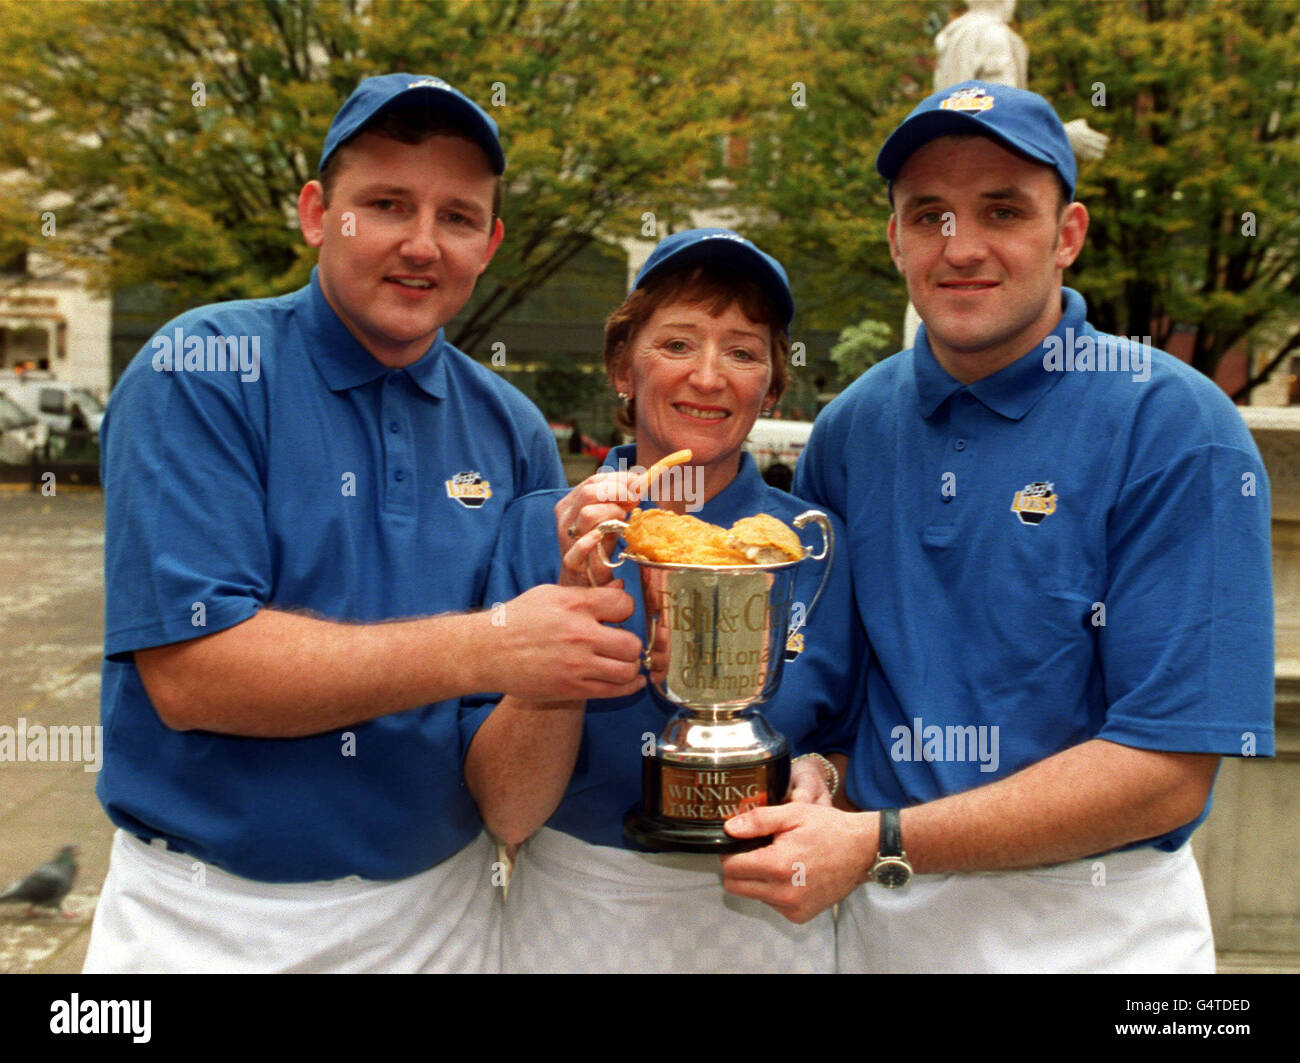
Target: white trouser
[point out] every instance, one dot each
(575, 907)
(164, 912)
(1138, 911)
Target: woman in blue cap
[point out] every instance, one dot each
(696, 352)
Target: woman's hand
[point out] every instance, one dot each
(605, 496)
(808, 782)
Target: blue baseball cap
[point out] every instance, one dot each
(1021, 120)
(376, 96)
(723, 247)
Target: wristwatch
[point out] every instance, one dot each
(891, 868)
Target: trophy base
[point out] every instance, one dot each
(657, 834)
(684, 807)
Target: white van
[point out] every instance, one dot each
(53, 401)
(776, 442)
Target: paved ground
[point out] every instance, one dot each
(51, 634)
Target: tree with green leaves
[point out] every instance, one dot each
(818, 203)
(182, 131)
(179, 133)
(1194, 217)
(861, 346)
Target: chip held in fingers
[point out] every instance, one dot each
(678, 457)
(680, 539)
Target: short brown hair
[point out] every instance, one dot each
(406, 125)
(704, 285)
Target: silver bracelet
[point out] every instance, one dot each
(829, 772)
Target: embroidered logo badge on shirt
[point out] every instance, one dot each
(1035, 502)
(469, 489)
(793, 646)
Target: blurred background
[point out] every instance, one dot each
(151, 155)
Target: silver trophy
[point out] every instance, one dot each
(715, 646)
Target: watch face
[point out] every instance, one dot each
(892, 874)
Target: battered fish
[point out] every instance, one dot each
(670, 538)
(765, 540)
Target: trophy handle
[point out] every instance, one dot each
(651, 620)
(616, 527)
(609, 527)
(827, 554)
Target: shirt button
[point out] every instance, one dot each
(399, 475)
(393, 426)
(392, 380)
(960, 444)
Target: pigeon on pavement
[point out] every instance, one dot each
(47, 885)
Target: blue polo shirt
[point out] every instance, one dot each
(316, 480)
(1047, 556)
(815, 707)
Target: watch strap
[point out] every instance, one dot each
(891, 833)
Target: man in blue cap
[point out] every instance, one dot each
(302, 496)
(1060, 548)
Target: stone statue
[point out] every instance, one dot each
(982, 45)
